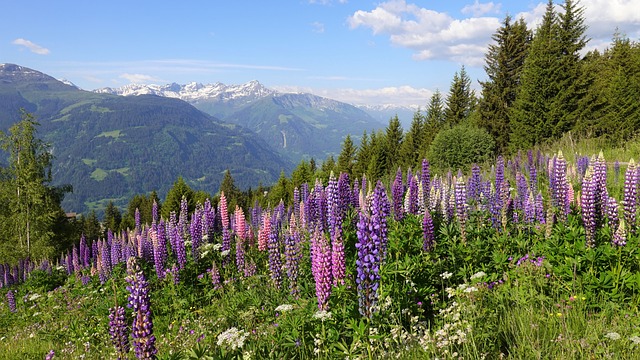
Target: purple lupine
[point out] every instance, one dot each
(335, 218)
(106, 258)
(499, 172)
(561, 187)
(397, 192)
(183, 225)
(139, 301)
(321, 268)
(293, 255)
(176, 241)
(84, 252)
(75, 260)
(320, 206)
(159, 249)
(118, 331)
(540, 213)
(588, 200)
(461, 204)
(137, 221)
(275, 261)
(195, 230)
(613, 218)
(215, 276)
(601, 192)
(367, 264)
(630, 196)
(522, 189)
(11, 300)
(413, 207)
(582, 163)
(529, 210)
(428, 234)
(116, 252)
(344, 193)
(425, 181)
(296, 202)
(154, 212)
(620, 235)
(533, 178)
(473, 188)
(380, 211)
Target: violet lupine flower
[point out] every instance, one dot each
(413, 207)
(425, 181)
(620, 236)
(140, 302)
(344, 193)
(367, 265)
(561, 187)
(539, 206)
(11, 299)
(293, 255)
(335, 219)
(397, 191)
(533, 178)
(296, 202)
(428, 233)
(154, 213)
(529, 209)
(582, 163)
(85, 254)
(499, 172)
(602, 194)
(275, 262)
(106, 258)
(475, 181)
(320, 216)
(588, 200)
(183, 224)
(630, 196)
(50, 355)
(196, 231)
(75, 260)
(116, 252)
(613, 214)
(461, 204)
(137, 221)
(523, 190)
(215, 276)
(321, 268)
(159, 249)
(177, 241)
(118, 331)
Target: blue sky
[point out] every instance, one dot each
(388, 52)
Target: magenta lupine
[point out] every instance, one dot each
(461, 204)
(226, 234)
(11, 300)
(630, 196)
(263, 233)
(275, 261)
(240, 230)
(140, 302)
(321, 268)
(118, 331)
(428, 234)
(588, 200)
(397, 192)
(293, 255)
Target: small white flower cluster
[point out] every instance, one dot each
(225, 253)
(613, 336)
(322, 315)
(635, 339)
(445, 275)
(232, 338)
(216, 247)
(478, 275)
(284, 308)
(34, 297)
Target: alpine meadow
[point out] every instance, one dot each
(500, 223)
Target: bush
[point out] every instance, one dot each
(460, 147)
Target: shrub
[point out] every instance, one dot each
(460, 147)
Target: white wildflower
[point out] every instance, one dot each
(322, 315)
(225, 253)
(478, 275)
(446, 275)
(217, 247)
(635, 339)
(205, 253)
(471, 289)
(34, 296)
(284, 308)
(612, 335)
(232, 338)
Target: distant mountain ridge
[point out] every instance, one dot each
(112, 147)
(300, 125)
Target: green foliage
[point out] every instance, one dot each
(461, 100)
(460, 147)
(174, 197)
(347, 157)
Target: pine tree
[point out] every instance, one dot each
(112, 218)
(460, 100)
(434, 121)
(530, 120)
(174, 198)
(363, 156)
(301, 174)
(346, 159)
(409, 153)
(392, 140)
(504, 62)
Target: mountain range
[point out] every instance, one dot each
(112, 147)
(299, 125)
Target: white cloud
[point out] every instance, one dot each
(317, 27)
(34, 48)
(479, 9)
(397, 95)
(140, 78)
(431, 34)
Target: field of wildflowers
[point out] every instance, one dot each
(529, 258)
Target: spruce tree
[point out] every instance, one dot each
(460, 101)
(392, 139)
(504, 61)
(409, 153)
(434, 121)
(346, 159)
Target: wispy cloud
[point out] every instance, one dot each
(326, 2)
(317, 27)
(396, 95)
(479, 9)
(140, 78)
(33, 47)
